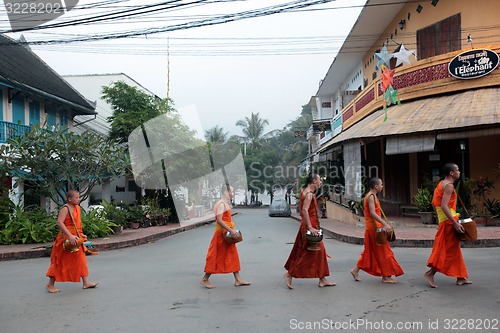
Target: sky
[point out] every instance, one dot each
(271, 64)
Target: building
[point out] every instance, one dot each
(123, 189)
(31, 93)
(447, 80)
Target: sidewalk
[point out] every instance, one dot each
(410, 232)
(128, 237)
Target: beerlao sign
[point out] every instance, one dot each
(473, 64)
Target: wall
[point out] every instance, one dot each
(474, 20)
(343, 214)
(480, 148)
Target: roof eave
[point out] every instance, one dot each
(80, 109)
(367, 24)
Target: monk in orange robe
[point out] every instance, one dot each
(222, 257)
(306, 261)
(446, 256)
(376, 260)
(67, 266)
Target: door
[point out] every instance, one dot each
(34, 113)
(18, 110)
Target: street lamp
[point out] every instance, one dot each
(462, 149)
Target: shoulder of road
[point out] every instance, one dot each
(408, 235)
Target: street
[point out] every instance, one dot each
(155, 288)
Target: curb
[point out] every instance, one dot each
(422, 243)
(44, 250)
(146, 239)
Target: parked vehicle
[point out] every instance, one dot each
(279, 207)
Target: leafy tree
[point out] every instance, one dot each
(132, 107)
(216, 134)
(56, 160)
(297, 146)
(253, 128)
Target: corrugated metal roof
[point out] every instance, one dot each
(25, 71)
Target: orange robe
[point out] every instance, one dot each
(222, 257)
(66, 266)
(303, 263)
(377, 260)
(446, 256)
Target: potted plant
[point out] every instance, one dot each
(117, 215)
(135, 214)
(481, 188)
(423, 201)
(493, 207)
(356, 206)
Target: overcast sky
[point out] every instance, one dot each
(271, 65)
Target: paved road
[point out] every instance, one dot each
(155, 288)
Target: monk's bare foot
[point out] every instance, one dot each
(325, 283)
(388, 279)
(207, 284)
(430, 279)
(240, 283)
(355, 275)
(462, 281)
(90, 286)
(52, 289)
(288, 280)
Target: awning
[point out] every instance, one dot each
(410, 143)
(461, 110)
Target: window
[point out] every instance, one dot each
(441, 37)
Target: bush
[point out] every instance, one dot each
(114, 214)
(34, 225)
(29, 225)
(95, 224)
(6, 209)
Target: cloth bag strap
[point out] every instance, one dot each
(72, 220)
(383, 214)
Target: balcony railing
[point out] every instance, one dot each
(422, 79)
(11, 130)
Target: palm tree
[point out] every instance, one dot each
(253, 128)
(216, 134)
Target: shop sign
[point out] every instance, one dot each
(300, 134)
(473, 64)
(322, 126)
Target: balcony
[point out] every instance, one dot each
(424, 78)
(10, 130)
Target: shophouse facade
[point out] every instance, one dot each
(448, 96)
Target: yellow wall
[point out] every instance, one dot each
(480, 21)
(343, 214)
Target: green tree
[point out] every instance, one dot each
(132, 107)
(253, 128)
(56, 160)
(297, 146)
(216, 134)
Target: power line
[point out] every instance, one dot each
(220, 19)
